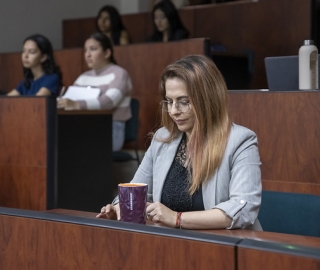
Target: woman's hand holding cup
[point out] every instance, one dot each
(110, 212)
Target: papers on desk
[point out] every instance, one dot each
(80, 93)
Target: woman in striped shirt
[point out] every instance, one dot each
(113, 81)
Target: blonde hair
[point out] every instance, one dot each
(207, 93)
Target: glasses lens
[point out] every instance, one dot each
(164, 105)
(183, 107)
(180, 106)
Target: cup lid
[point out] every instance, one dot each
(132, 184)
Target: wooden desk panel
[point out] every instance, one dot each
(285, 186)
(51, 241)
(280, 238)
(23, 126)
(137, 26)
(188, 19)
(70, 63)
(11, 71)
(286, 124)
(76, 31)
(291, 239)
(275, 248)
(23, 187)
(27, 157)
(277, 251)
(56, 241)
(268, 256)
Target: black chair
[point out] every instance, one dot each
(131, 135)
(291, 213)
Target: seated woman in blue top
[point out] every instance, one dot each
(42, 77)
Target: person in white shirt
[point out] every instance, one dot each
(114, 82)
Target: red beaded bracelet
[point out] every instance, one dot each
(178, 220)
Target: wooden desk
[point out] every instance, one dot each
(84, 159)
(269, 256)
(37, 240)
(46, 164)
(288, 130)
(243, 234)
(64, 239)
(257, 249)
(27, 152)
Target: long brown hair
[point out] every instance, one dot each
(207, 93)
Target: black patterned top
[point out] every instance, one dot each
(175, 194)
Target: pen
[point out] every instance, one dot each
(62, 91)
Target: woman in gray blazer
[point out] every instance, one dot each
(202, 171)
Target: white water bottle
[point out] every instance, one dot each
(308, 66)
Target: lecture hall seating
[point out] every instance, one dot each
(266, 27)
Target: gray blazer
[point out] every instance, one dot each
(235, 188)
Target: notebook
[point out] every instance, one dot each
(283, 72)
(80, 93)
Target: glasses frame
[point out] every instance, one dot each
(176, 104)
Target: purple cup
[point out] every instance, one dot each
(132, 202)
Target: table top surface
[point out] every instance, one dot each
(300, 240)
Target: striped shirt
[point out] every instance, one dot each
(115, 85)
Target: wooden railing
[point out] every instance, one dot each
(62, 241)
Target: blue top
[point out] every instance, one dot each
(49, 81)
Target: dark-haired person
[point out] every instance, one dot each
(110, 24)
(113, 80)
(167, 25)
(42, 77)
(202, 171)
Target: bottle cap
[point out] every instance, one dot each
(308, 42)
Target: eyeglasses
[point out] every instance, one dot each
(182, 106)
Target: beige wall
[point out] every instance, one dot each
(134, 6)
(21, 18)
